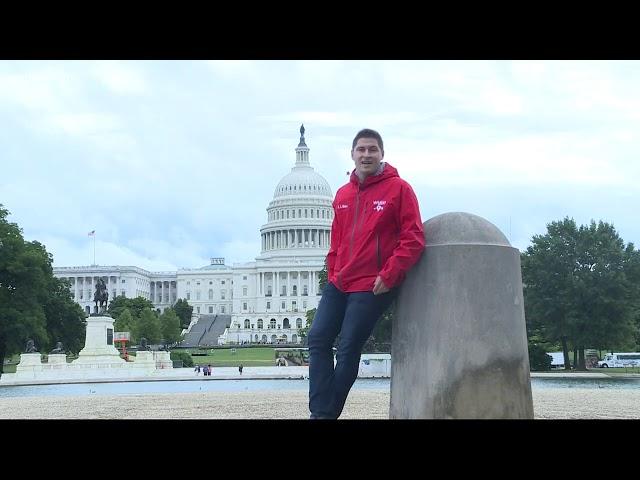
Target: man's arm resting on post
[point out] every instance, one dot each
(410, 244)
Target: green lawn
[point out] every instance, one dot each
(249, 357)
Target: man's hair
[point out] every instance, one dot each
(368, 133)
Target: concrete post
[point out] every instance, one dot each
(459, 339)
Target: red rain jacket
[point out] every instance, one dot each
(377, 230)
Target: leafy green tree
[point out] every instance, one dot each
(605, 291)
(124, 322)
(135, 305)
(184, 312)
(170, 327)
(323, 276)
(304, 331)
(65, 318)
(25, 273)
(548, 268)
(579, 287)
(147, 326)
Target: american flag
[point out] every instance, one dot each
(91, 233)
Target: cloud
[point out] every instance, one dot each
(175, 162)
(122, 78)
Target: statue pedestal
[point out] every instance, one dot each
(144, 360)
(57, 360)
(162, 359)
(98, 346)
(30, 363)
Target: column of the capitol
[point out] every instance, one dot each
(459, 344)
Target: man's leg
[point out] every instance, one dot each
(324, 330)
(362, 312)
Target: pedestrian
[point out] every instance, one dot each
(376, 237)
(240, 369)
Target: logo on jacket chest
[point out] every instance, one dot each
(378, 205)
(341, 206)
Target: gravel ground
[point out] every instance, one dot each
(549, 403)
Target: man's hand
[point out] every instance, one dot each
(379, 286)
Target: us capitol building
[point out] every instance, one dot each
(266, 299)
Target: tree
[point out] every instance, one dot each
(322, 276)
(147, 326)
(124, 322)
(184, 312)
(65, 318)
(135, 305)
(548, 274)
(304, 331)
(25, 271)
(579, 287)
(170, 327)
(605, 291)
(322, 281)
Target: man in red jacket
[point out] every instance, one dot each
(376, 237)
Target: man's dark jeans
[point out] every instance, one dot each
(353, 316)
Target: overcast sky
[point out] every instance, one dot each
(174, 162)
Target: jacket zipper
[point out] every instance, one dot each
(355, 222)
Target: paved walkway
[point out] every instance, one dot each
(548, 403)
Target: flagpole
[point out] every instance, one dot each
(94, 249)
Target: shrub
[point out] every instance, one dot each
(539, 360)
(187, 360)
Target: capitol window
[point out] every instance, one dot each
(244, 305)
(210, 294)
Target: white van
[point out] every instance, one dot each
(629, 359)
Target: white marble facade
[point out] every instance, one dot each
(267, 298)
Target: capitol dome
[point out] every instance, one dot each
(300, 215)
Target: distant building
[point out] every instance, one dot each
(267, 298)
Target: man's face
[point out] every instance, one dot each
(367, 156)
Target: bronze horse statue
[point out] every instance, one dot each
(101, 296)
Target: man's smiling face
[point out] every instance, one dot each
(367, 156)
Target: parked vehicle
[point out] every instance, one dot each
(612, 360)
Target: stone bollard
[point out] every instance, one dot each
(459, 343)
